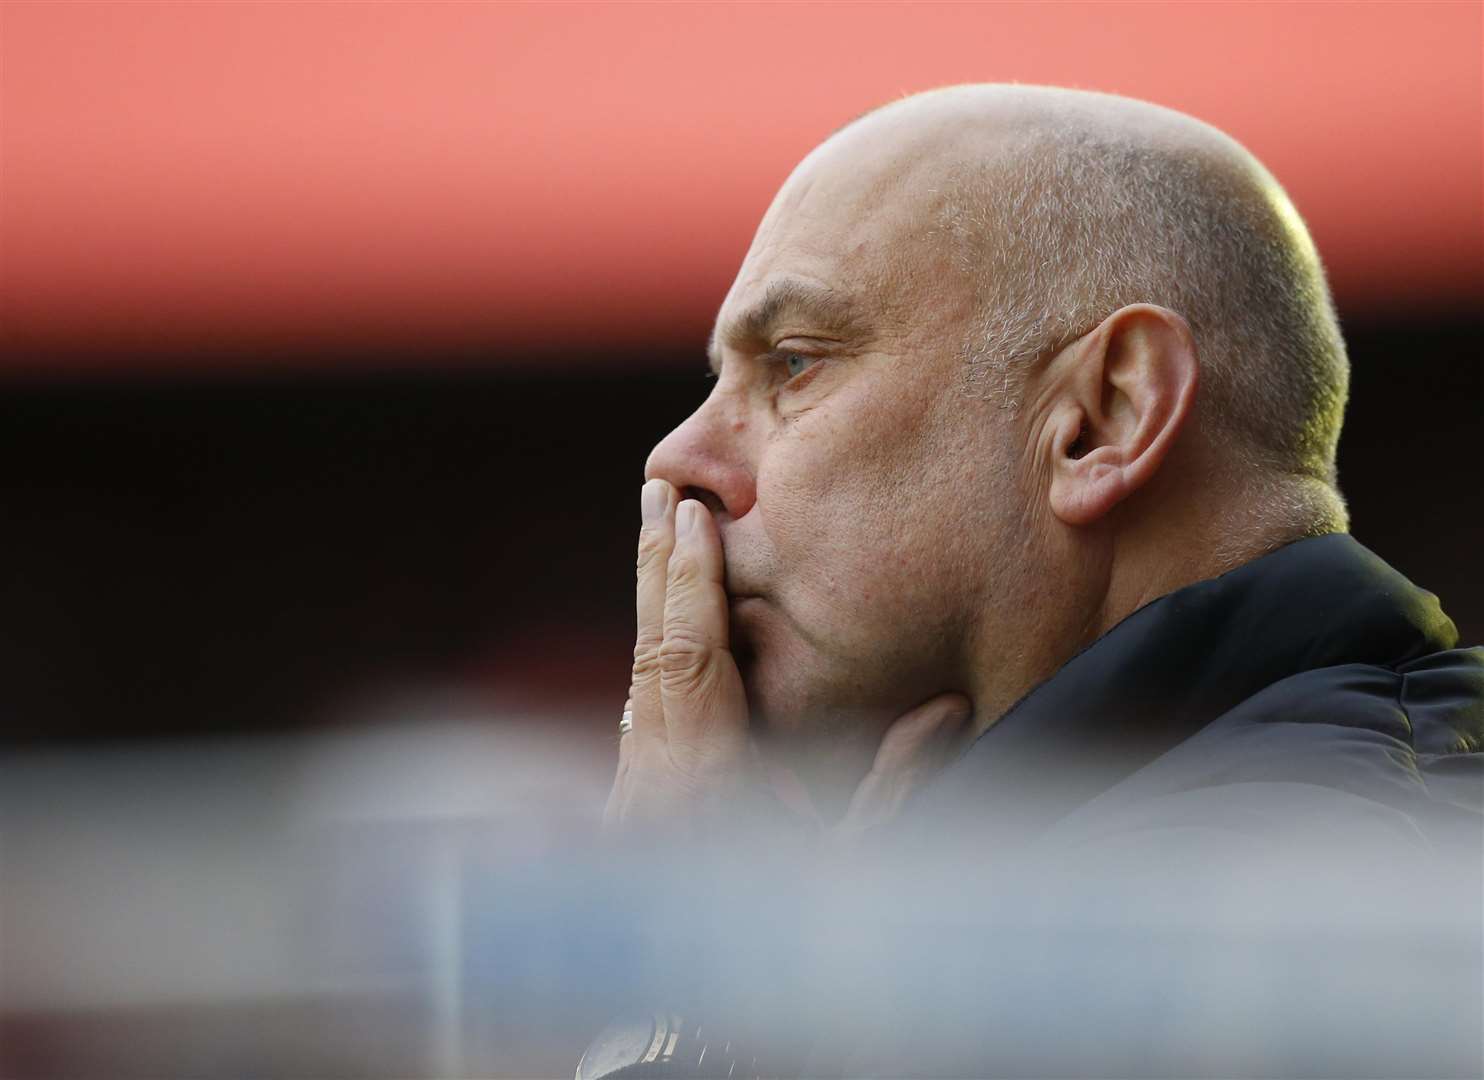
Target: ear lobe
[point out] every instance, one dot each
(1126, 395)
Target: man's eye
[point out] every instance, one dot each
(796, 364)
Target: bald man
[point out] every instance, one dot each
(1011, 520)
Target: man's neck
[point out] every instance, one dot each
(1108, 578)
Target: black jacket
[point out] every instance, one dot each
(1313, 683)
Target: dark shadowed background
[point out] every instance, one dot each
(242, 553)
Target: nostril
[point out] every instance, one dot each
(705, 497)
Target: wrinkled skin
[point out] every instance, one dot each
(860, 497)
(874, 541)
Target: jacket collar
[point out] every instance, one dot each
(1175, 665)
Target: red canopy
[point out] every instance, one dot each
(225, 184)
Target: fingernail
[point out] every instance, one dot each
(685, 518)
(652, 502)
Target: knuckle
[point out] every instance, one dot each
(647, 655)
(684, 647)
(683, 659)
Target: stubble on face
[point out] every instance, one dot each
(868, 525)
(890, 510)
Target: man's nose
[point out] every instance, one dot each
(707, 457)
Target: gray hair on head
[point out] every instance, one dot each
(1072, 217)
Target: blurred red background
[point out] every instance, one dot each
(198, 186)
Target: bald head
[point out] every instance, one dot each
(1059, 207)
(1128, 283)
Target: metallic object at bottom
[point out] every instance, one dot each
(663, 1045)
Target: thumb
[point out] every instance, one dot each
(915, 749)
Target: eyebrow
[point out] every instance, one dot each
(823, 308)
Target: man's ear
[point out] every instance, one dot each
(1124, 393)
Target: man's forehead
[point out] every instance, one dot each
(755, 314)
(851, 234)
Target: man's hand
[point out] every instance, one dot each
(688, 750)
(688, 761)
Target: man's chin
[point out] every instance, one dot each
(772, 720)
(792, 710)
(784, 713)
